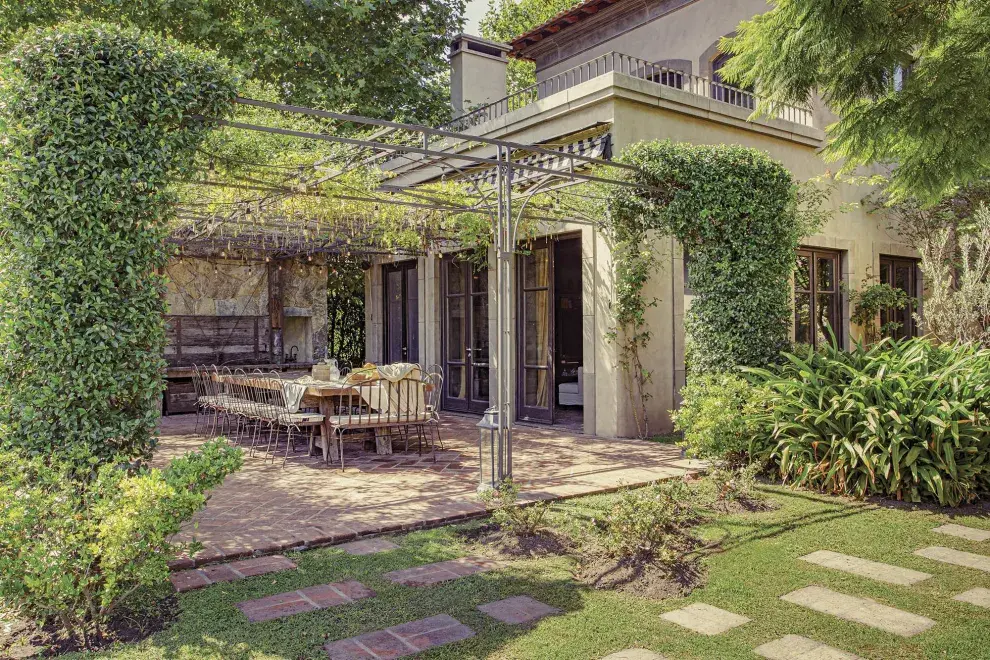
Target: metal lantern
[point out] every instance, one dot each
(488, 450)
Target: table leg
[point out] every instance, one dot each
(328, 441)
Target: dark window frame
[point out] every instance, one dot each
(914, 290)
(814, 292)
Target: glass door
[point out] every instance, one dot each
(464, 339)
(901, 274)
(535, 377)
(401, 312)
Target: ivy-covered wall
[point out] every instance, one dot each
(735, 212)
(96, 123)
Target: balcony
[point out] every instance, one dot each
(613, 62)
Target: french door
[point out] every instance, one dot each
(464, 339)
(401, 339)
(901, 274)
(534, 333)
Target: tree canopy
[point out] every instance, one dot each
(382, 58)
(507, 19)
(908, 81)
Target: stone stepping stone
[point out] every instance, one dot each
(518, 609)
(860, 610)
(956, 557)
(309, 599)
(634, 654)
(963, 532)
(422, 576)
(400, 641)
(198, 578)
(978, 596)
(367, 546)
(866, 568)
(705, 619)
(796, 647)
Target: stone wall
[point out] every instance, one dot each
(201, 287)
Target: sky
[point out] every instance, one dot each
(473, 14)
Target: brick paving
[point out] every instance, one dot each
(310, 599)
(367, 546)
(265, 509)
(400, 641)
(428, 574)
(197, 578)
(518, 610)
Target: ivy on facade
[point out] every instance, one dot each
(736, 213)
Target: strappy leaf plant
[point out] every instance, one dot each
(908, 419)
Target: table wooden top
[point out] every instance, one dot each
(318, 389)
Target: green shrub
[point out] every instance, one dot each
(96, 124)
(720, 417)
(71, 550)
(739, 216)
(649, 521)
(510, 515)
(734, 484)
(907, 419)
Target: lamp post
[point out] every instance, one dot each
(488, 450)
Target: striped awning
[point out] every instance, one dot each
(597, 146)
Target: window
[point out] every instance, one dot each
(900, 273)
(724, 93)
(817, 297)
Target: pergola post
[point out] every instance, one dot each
(503, 277)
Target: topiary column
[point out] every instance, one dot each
(735, 211)
(95, 122)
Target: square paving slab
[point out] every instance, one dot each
(963, 532)
(860, 610)
(400, 641)
(705, 619)
(634, 654)
(866, 568)
(796, 647)
(956, 557)
(518, 609)
(423, 576)
(978, 596)
(367, 546)
(304, 600)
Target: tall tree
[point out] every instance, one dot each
(907, 79)
(507, 19)
(384, 58)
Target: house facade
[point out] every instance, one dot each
(611, 73)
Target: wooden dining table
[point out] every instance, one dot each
(325, 395)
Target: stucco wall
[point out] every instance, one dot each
(653, 30)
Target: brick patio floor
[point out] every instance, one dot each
(265, 509)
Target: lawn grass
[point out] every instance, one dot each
(759, 563)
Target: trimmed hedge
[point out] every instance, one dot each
(95, 124)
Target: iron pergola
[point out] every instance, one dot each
(505, 181)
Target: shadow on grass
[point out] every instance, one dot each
(211, 625)
(769, 529)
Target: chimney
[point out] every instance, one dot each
(477, 72)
